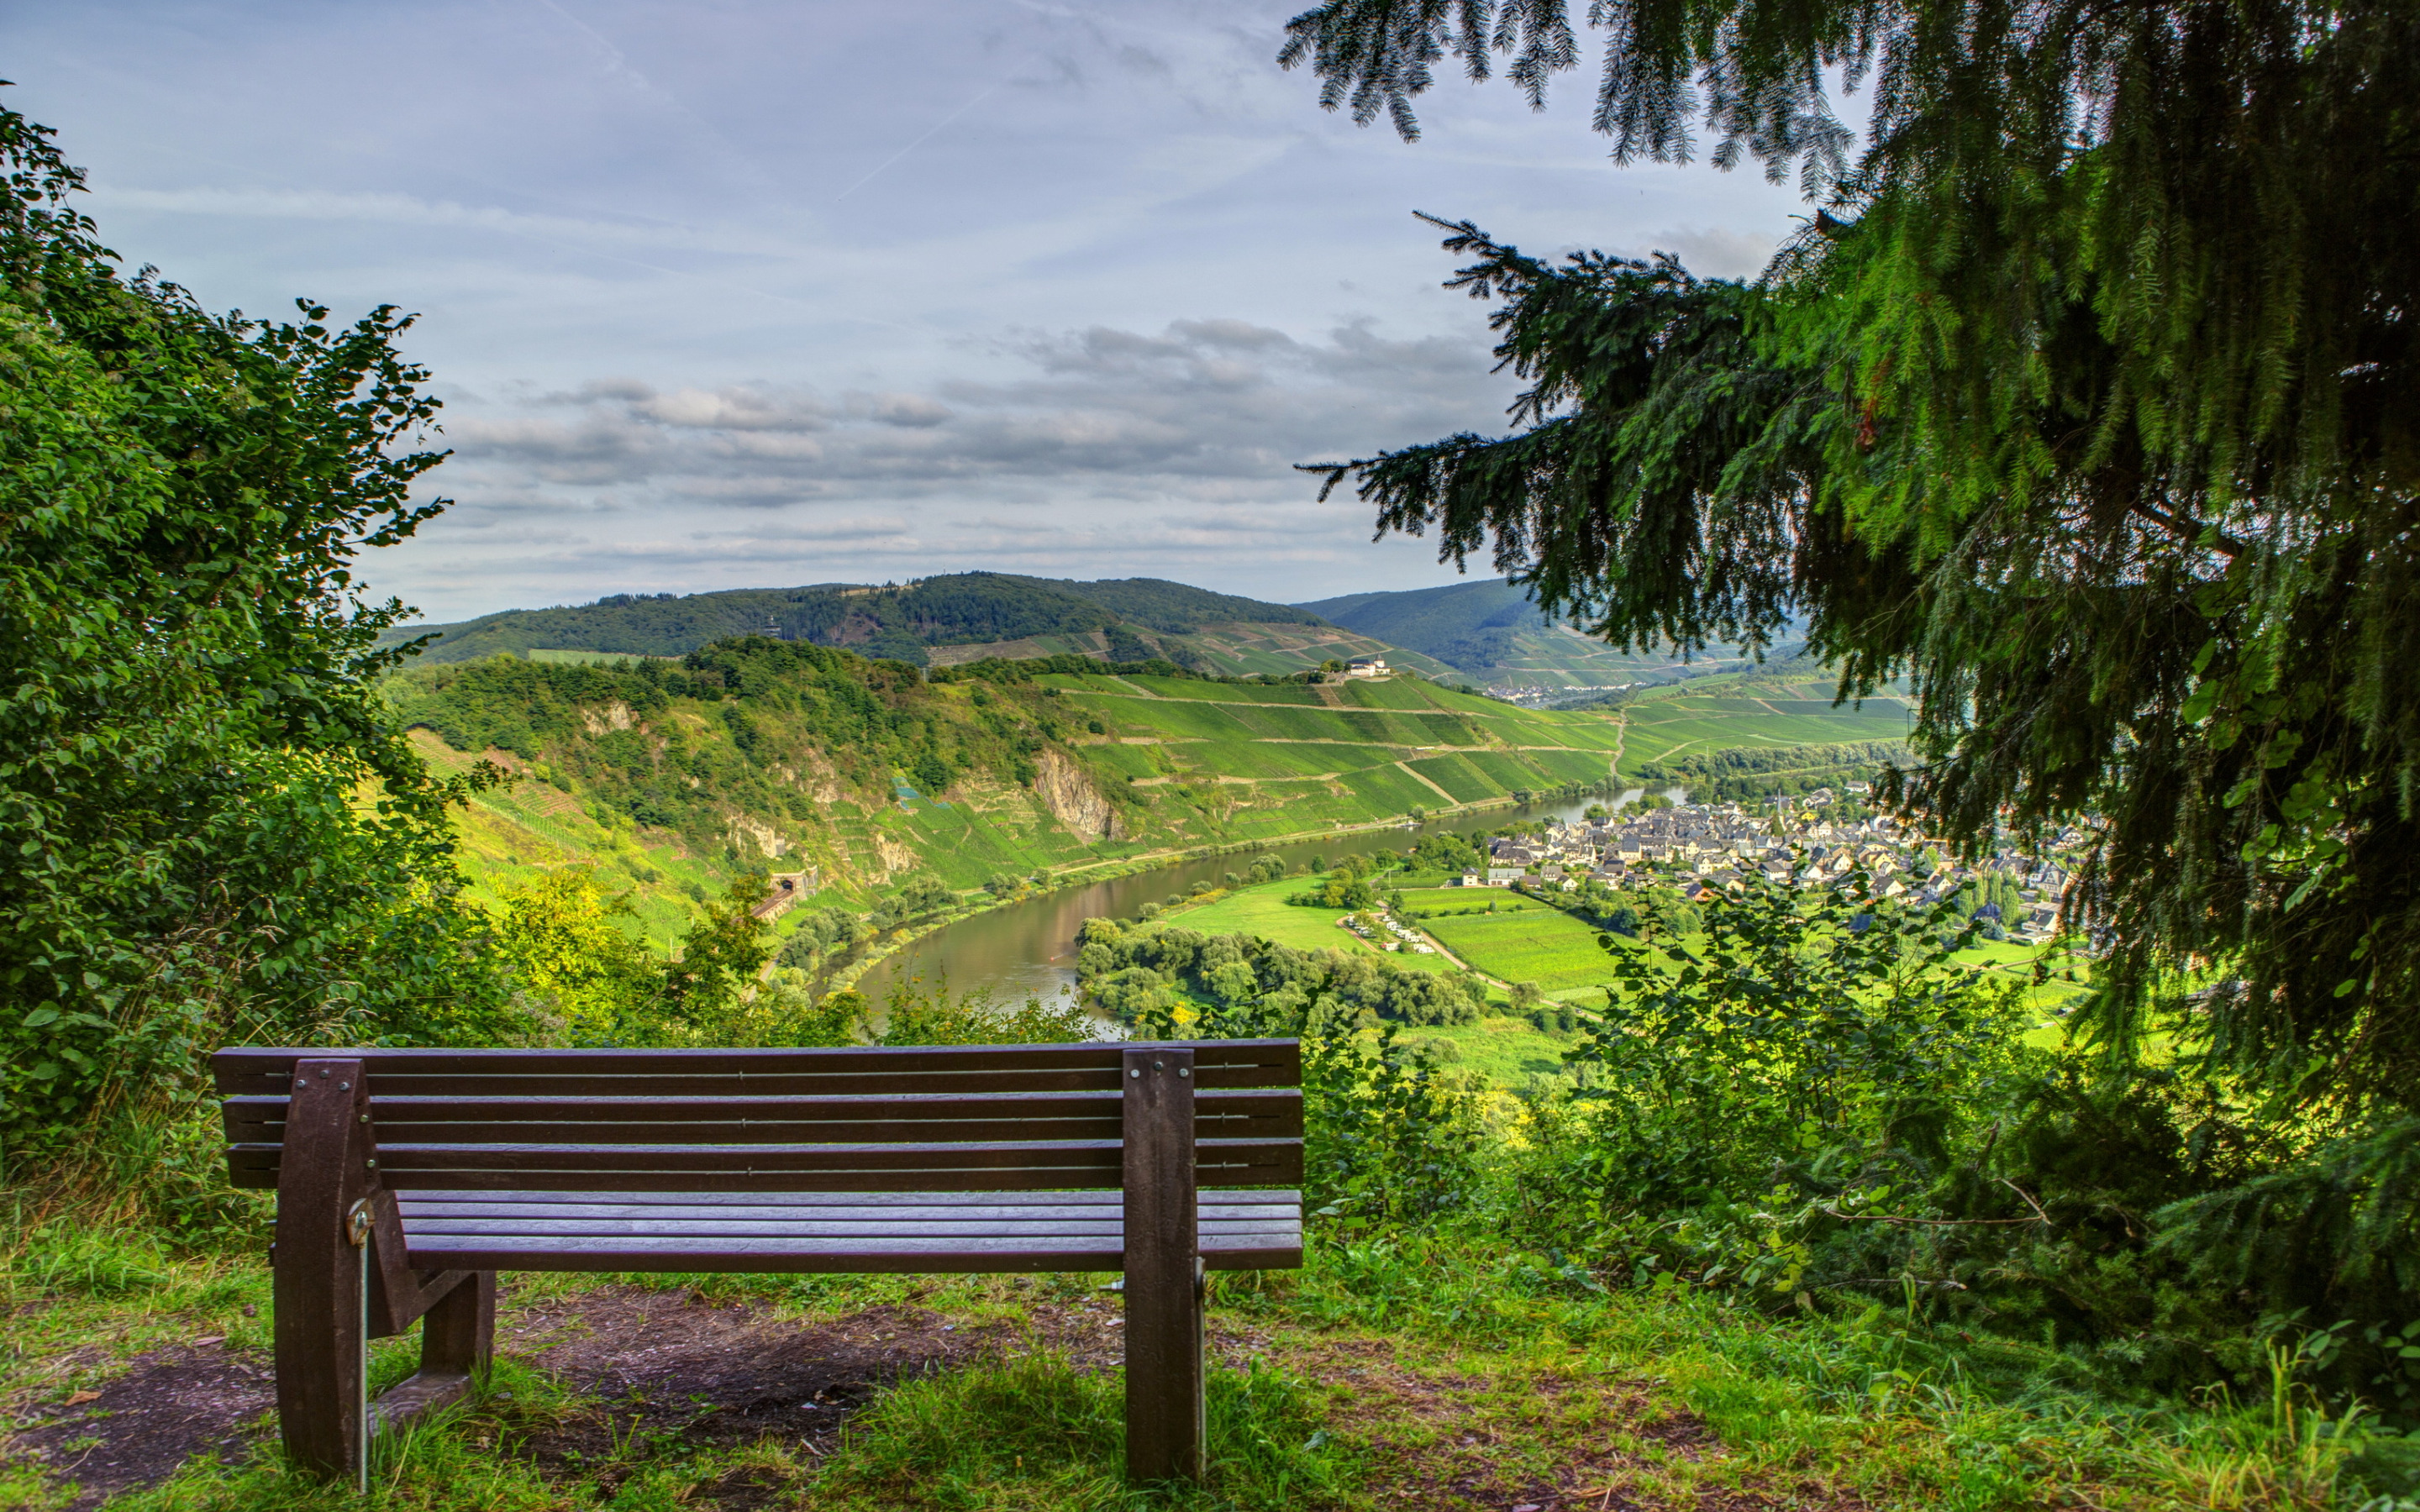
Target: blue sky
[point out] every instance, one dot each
(735, 294)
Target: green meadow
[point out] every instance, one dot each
(1543, 945)
(1263, 912)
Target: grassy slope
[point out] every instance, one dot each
(1755, 708)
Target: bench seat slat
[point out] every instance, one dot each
(904, 1231)
(757, 1209)
(947, 1261)
(418, 1229)
(1237, 1199)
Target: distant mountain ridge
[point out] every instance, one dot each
(1469, 625)
(890, 620)
(1491, 631)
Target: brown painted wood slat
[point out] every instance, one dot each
(566, 1121)
(787, 1167)
(753, 1210)
(441, 1215)
(419, 1230)
(1226, 1064)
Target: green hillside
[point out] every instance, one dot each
(897, 621)
(761, 754)
(678, 774)
(1490, 632)
(1669, 730)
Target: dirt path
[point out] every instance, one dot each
(1426, 784)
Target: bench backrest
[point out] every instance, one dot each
(952, 1118)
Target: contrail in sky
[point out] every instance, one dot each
(918, 143)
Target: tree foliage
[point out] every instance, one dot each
(2087, 401)
(210, 825)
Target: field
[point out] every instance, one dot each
(1262, 911)
(1549, 948)
(1750, 709)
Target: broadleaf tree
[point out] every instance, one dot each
(211, 826)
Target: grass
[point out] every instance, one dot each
(1541, 945)
(1390, 1371)
(1262, 910)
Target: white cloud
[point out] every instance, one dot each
(756, 292)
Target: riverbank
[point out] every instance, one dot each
(1022, 945)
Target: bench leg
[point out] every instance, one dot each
(319, 1322)
(1163, 1271)
(457, 1337)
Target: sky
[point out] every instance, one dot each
(737, 293)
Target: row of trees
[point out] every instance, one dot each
(1142, 975)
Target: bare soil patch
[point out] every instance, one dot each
(135, 1429)
(667, 1369)
(655, 1370)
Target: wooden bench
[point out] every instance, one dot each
(407, 1179)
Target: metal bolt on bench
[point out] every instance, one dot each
(406, 1180)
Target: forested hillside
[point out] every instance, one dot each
(896, 621)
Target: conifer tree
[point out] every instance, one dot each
(2085, 402)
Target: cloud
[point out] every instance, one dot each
(1098, 449)
(1718, 252)
(1183, 413)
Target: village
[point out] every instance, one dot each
(1699, 847)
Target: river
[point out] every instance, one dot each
(1029, 949)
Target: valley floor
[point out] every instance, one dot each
(1386, 1375)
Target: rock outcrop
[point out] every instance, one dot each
(1073, 800)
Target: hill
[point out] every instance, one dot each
(1491, 632)
(754, 753)
(1783, 709)
(894, 620)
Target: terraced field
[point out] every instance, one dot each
(1280, 759)
(1733, 711)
